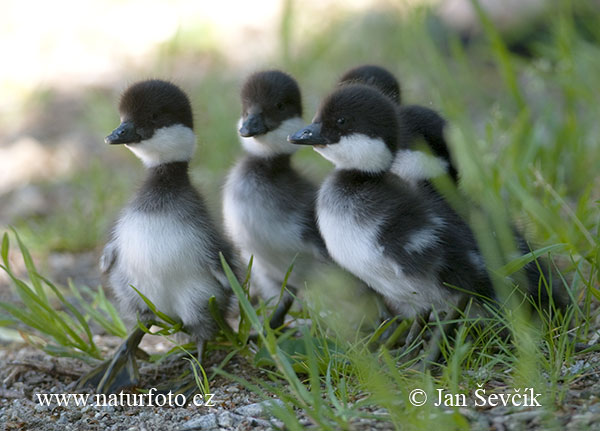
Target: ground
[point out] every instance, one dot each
(26, 372)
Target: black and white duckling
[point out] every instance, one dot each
(403, 241)
(417, 123)
(164, 242)
(268, 207)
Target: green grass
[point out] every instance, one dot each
(524, 133)
(47, 320)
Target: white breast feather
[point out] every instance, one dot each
(160, 256)
(357, 249)
(256, 227)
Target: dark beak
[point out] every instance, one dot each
(124, 134)
(310, 135)
(253, 125)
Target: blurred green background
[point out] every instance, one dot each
(518, 83)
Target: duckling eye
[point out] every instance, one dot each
(280, 106)
(340, 121)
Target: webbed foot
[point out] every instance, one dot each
(117, 373)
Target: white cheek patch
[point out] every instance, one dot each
(274, 142)
(415, 166)
(168, 144)
(358, 151)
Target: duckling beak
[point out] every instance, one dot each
(124, 134)
(310, 135)
(253, 125)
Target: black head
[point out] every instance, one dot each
(374, 76)
(351, 110)
(363, 120)
(147, 106)
(268, 99)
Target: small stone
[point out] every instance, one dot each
(594, 408)
(205, 422)
(39, 408)
(256, 409)
(255, 422)
(227, 419)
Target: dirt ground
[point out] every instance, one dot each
(26, 373)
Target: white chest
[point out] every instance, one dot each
(351, 245)
(356, 247)
(257, 224)
(159, 256)
(153, 243)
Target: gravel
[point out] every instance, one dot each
(22, 382)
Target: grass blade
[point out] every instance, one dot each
(31, 269)
(153, 308)
(4, 250)
(518, 263)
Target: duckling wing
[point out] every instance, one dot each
(313, 239)
(108, 258)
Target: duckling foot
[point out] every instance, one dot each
(409, 344)
(277, 318)
(417, 327)
(119, 372)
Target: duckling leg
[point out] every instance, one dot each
(278, 316)
(201, 345)
(119, 372)
(445, 327)
(410, 347)
(416, 328)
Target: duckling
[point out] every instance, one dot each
(404, 242)
(415, 166)
(164, 242)
(268, 206)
